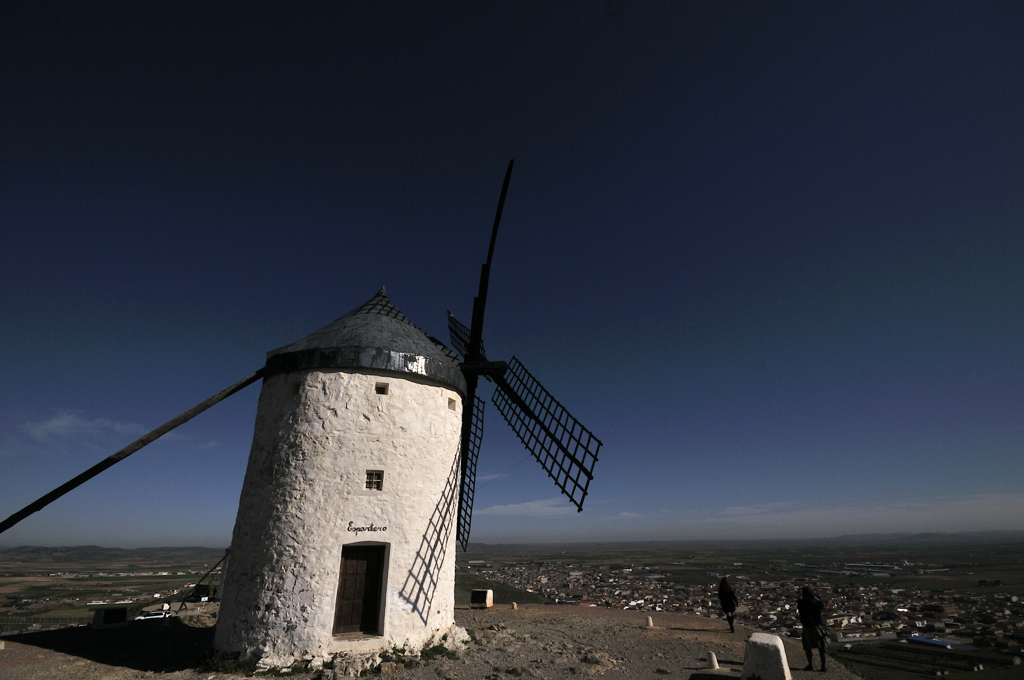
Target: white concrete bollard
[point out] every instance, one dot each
(712, 661)
(765, 658)
(650, 623)
(515, 606)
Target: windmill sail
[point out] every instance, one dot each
(459, 334)
(561, 444)
(468, 486)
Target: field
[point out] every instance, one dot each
(892, 661)
(43, 587)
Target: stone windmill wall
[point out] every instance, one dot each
(345, 540)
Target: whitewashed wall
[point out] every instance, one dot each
(316, 435)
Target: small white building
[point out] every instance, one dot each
(345, 534)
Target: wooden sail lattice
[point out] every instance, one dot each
(563, 446)
(468, 485)
(459, 335)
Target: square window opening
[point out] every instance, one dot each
(381, 388)
(451, 404)
(375, 480)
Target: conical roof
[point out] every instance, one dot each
(375, 335)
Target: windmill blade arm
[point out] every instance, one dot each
(468, 484)
(475, 344)
(492, 370)
(564, 447)
(115, 458)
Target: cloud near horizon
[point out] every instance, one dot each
(782, 520)
(758, 510)
(549, 507)
(66, 432)
(970, 512)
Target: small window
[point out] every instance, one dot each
(375, 480)
(381, 388)
(451, 404)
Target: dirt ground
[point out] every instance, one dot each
(533, 641)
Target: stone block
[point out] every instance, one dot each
(481, 599)
(765, 658)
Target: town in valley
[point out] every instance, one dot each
(960, 592)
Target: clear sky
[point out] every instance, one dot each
(771, 253)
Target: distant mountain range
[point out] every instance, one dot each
(86, 553)
(867, 540)
(95, 552)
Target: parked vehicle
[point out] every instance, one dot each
(153, 615)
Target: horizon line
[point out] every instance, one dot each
(992, 533)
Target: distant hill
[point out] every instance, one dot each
(865, 540)
(95, 553)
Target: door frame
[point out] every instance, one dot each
(382, 595)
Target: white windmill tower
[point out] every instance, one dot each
(344, 538)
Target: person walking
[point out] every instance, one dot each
(811, 608)
(727, 596)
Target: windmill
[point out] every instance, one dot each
(361, 480)
(564, 447)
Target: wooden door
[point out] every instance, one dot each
(359, 590)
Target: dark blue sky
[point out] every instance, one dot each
(770, 253)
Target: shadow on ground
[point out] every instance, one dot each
(158, 646)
